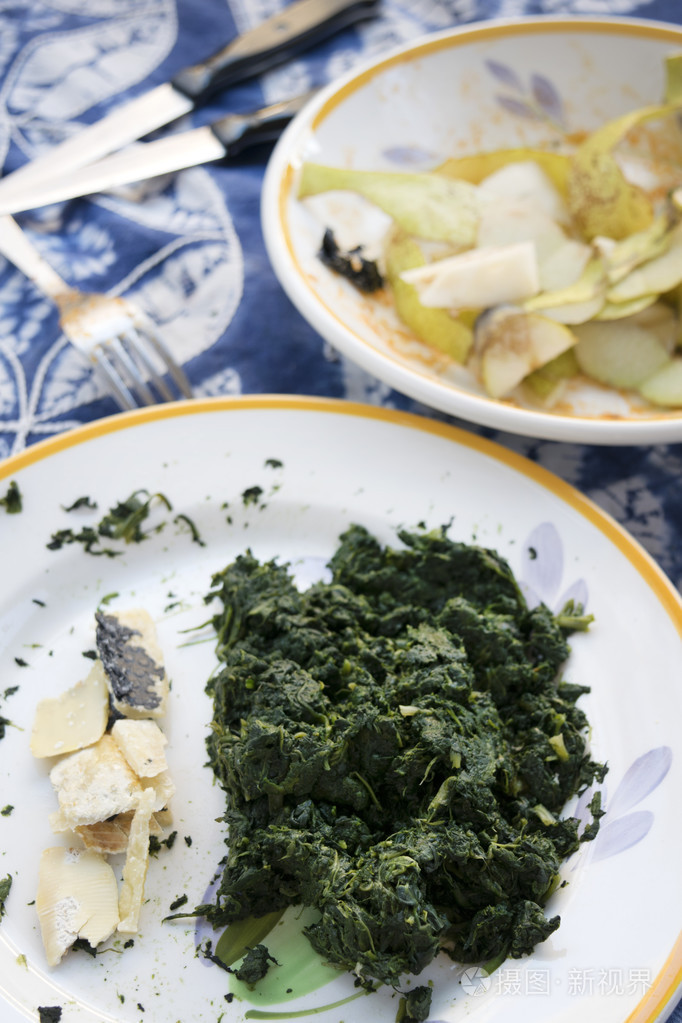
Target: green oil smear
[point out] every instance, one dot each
(260, 1014)
(301, 969)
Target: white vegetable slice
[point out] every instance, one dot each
(77, 897)
(135, 867)
(619, 353)
(513, 343)
(665, 386)
(478, 278)
(142, 744)
(525, 179)
(564, 265)
(73, 720)
(511, 221)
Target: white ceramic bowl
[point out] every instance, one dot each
(482, 87)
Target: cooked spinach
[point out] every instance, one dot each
(396, 747)
(255, 965)
(12, 501)
(363, 273)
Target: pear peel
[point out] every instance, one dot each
(423, 204)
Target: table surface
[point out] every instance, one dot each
(192, 251)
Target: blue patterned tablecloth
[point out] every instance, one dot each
(192, 251)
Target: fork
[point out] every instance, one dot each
(114, 334)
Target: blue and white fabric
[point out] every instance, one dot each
(192, 252)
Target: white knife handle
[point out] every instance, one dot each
(15, 246)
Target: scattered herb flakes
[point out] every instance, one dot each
(5, 887)
(361, 272)
(196, 537)
(409, 833)
(122, 522)
(40, 603)
(169, 842)
(155, 843)
(10, 691)
(177, 903)
(83, 945)
(49, 1013)
(108, 598)
(274, 463)
(207, 952)
(92, 655)
(129, 943)
(255, 965)
(21, 662)
(12, 501)
(252, 495)
(188, 840)
(88, 537)
(6, 810)
(81, 502)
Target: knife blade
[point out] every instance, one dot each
(227, 137)
(297, 27)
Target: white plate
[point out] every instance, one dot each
(482, 87)
(618, 953)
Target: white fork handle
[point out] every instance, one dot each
(16, 247)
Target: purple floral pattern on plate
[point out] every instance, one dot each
(539, 100)
(542, 571)
(542, 579)
(622, 827)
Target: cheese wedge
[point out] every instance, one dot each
(77, 897)
(163, 787)
(73, 720)
(135, 868)
(133, 662)
(92, 785)
(142, 744)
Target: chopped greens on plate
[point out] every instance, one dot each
(397, 747)
(531, 267)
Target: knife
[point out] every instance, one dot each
(300, 25)
(225, 138)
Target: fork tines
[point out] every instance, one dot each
(131, 363)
